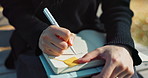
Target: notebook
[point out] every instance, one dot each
(85, 41)
(74, 74)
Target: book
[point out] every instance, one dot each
(85, 41)
(74, 74)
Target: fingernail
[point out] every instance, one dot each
(80, 61)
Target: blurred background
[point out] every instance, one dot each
(139, 32)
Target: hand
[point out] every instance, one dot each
(54, 40)
(118, 61)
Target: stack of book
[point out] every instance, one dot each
(85, 41)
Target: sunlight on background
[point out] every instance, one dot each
(140, 21)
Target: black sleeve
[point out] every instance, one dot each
(20, 14)
(116, 17)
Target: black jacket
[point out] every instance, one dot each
(29, 21)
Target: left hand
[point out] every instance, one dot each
(118, 62)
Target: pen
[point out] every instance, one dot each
(53, 21)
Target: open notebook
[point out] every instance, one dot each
(85, 41)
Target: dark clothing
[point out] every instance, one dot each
(28, 19)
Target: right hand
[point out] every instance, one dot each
(54, 40)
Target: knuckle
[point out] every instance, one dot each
(98, 49)
(48, 38)
(52, 27)
(67, 33)
(130, 72)
(45, 38)
(122, 67)
(114, 60)
(64, 45)
(72, 34)
(60, 51)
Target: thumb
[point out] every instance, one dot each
(70, 41)
(89, 56)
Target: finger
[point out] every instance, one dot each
(89, 56)
(128, 72)
(49, 52)
(121, 75)
(56, 41)
(46, 50)
(52, 47)
(63, 33)
(107, 69)
(70, 41)
(117, 71)
(128, 76)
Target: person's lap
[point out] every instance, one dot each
(29, 66)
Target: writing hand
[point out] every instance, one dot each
(54, 40)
